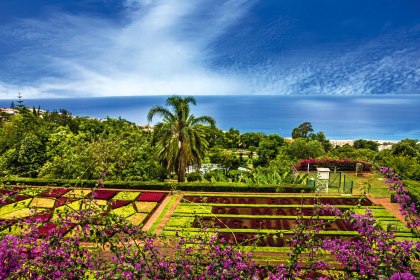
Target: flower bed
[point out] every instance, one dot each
(46, 205)
(126, 196)
(151, 196)
(241, 217)
(55, 193)
(119, 203)
(103, 194)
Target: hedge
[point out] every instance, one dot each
(164, 186)
(340, 164)
(413, 188)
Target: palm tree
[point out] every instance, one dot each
(180, 137)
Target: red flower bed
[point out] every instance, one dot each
(6, 192)
(258, 211)
(151, 196)
(263, 223)
(103, 194)
(119, 203)
(55, 193)
(21, 197)
(62, 200)
(48, 228)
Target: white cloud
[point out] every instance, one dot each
(165, 47)
(161, 49)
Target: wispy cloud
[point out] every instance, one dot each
(162, 48)
(167, 47)
(373, 67)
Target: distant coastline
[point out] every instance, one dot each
(389, 117)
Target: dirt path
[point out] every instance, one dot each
(156, 213)
(393, 208)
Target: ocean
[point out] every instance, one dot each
(384, 117)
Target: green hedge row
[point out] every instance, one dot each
(193, 186)
(413, 188)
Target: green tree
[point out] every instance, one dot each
(304, 130)
(227, 160)
(268, 149)
(406, 147)
(366, 144)
(251, 139)
(350, 152)
(232, 138)
(303, 149)
(179, 137)
(320, 137)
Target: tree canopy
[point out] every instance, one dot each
(180, 137)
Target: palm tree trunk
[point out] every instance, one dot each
(182, 160)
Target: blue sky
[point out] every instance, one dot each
(61, 48)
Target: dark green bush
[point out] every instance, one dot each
(141, 185)
(194, 176)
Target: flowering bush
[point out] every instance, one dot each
(120, 250)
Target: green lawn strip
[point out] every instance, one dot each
(264, 249)
(10, 208)
(180, 222)
(271, 195)
(398, 225)
(376, 212)
(274, 205)
(405, 234)
(162, 214)
(193, 208)
(414, 239)
(126, 196)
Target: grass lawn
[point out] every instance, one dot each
(361, 184)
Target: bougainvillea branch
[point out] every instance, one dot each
(407, 206)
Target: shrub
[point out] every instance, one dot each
(194, 176)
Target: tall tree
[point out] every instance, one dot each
(304, 130)
(180, 136)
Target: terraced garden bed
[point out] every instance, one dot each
(46, 204)
(268, 220)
